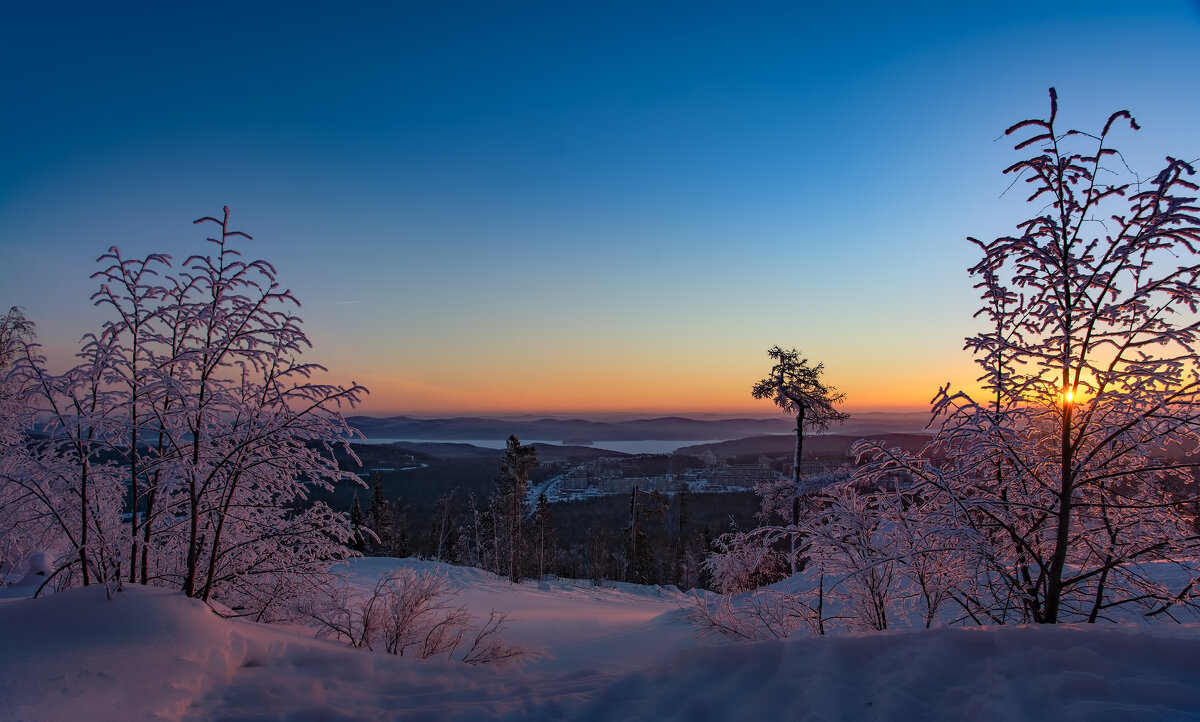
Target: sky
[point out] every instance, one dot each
(569, 207)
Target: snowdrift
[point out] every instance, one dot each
(618, 652)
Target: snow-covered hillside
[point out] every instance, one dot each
(618, 652)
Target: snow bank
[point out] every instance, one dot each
(1020, 673)
(147, 653)
(617, 652)
(569, 624)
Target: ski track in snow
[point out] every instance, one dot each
(618, 652)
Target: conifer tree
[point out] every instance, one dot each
(380, 518)
(356, 522)
(543, 546)
(398, 534)
(796, 388)
(509, 506)
(639, 560)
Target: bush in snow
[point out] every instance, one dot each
(408, 613)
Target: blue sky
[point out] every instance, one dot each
(569, 206)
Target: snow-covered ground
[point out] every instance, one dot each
(619, 652)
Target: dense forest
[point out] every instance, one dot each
(434, 491)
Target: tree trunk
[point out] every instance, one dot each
(796, 477)
(633, 551)
(83, 521)
(1062, 539)
(821, 605)
(133, 497)
(193, 550)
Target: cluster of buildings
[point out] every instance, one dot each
(611, 475)
(619, 475)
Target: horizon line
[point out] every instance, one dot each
(633, 413)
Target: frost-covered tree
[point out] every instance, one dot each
(443, 525)
(743, 560)
(65, 474)
(24, 529)
(191, 411)
(1066, 491)
(1071, 480)
(15, 331)
(469, 549)
(796, 387)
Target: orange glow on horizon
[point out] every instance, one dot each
(390, 396)
(713, 378)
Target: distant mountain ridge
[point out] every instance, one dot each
(452, 450)
(819, 444)
(665, 428)
(671, 428)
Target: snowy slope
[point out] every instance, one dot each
(611, 653)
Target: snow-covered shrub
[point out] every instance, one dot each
(408, 613)
(744, 561)
(754, 615)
